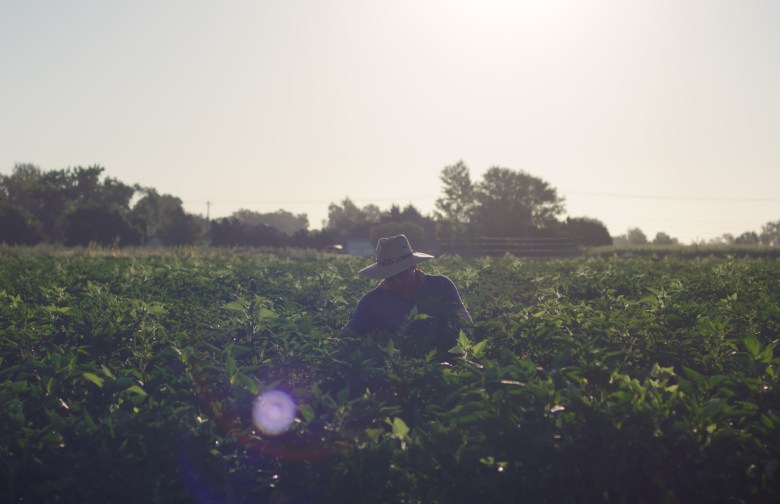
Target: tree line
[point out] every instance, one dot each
(81, 206)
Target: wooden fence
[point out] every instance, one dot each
(521, 247)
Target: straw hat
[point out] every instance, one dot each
(393, 255)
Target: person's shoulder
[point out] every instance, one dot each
(375, 293)
(439, 281)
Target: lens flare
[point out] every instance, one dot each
(273, 412)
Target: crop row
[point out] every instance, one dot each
(582, 380)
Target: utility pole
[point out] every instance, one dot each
(208, 218)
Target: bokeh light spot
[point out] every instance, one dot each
(273, 412)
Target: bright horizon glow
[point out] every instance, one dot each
(662, 115)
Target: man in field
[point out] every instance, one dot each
(404, 288)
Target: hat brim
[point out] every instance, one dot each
(382, 271)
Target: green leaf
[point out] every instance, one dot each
(489, 461)
(479, 348)
(400, 429)
(106, 371)
(713, 407)
(306, 412)
(235, 306)
(249, 383)
(463, 340)
(157, 309)
(265, 313)
(752, 344)
(94, 379)
(135, 389)
(20, 386)
(230, 365)
(649, 300)
(768, 353)
(693, 375)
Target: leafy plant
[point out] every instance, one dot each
(132, 379)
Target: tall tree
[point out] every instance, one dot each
(284, 221)
(17, 226)
(636, 236)
(230, 231)
(454, 210)
(50, 196)
(102, 224)
(347, 217)
(724, 239)
(592, 232)
(163, 217)
(409, 221)
(770, 233)
(29, 189)
(747, 238)
(662, 238)
(514, 203)
(413, 231)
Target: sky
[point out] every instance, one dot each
(660, 114)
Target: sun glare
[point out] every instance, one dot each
(273, 412)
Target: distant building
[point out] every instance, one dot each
(358, 243)
(358, 247)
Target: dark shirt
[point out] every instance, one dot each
(383, 310)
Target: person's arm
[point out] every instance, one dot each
(347, 332)
(359, 322)
(463, 313)
(453, 296)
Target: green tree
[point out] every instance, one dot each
(286, 222)
(347, 217)
(636, 236)
(230, 231)
(163, 217)
(17, 226)
(29, 189)
(770, 233)
(454, 211)
(409, 213)
(83, 186)
(514, 203)
(182, 228)
(101, 224)
(408, 221)
(592, 232)
(662, 238)
(413, 231)
(17, 188)
(747, 238)
(724, 239)
(50, 196)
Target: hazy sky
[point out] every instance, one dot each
(658, 114)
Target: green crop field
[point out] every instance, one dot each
(134, 378)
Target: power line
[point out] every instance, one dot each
(679, 198)
(309, 202)
(434, 196)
